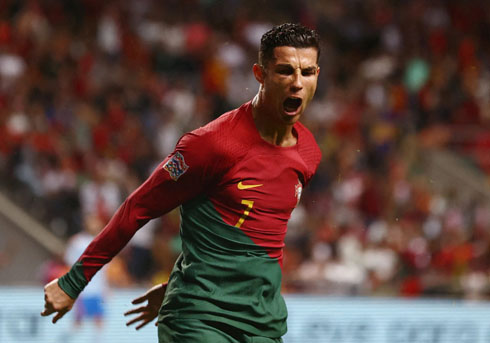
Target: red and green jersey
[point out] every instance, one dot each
(236, 193)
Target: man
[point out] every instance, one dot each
(237, 180)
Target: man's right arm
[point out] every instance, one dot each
(180, 177)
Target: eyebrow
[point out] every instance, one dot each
(309, 68)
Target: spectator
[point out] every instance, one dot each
(89, 103)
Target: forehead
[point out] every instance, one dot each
(297, 57)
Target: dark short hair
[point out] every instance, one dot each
(288, 34)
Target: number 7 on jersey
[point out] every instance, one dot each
(245, 214)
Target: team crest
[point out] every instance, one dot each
(176, 166)
(297, 191)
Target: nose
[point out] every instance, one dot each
(297, 82)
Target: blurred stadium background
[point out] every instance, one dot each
(396, 223)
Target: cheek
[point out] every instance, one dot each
(275, 89)
(312, 90)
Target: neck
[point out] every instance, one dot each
(272, 131)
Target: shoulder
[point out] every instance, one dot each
(307, 144)
(308, 148)
(217, 146)
(222, 137)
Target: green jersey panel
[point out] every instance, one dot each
(222, 275)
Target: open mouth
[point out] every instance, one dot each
(291, 105)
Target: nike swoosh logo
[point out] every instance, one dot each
(241, 186)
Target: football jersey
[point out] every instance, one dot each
(236, 193)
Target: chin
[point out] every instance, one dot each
(289, 119)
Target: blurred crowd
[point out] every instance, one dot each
(94, 94)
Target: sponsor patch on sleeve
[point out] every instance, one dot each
(176, 166)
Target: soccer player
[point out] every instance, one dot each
(236, 180)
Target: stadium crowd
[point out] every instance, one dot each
(93, 95)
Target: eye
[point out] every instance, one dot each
(285, 71)
(308, 72)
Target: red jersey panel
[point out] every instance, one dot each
(258, 193)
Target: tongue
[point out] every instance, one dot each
(291, 105)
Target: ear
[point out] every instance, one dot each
(259, 73)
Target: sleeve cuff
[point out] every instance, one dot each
(73, 282)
